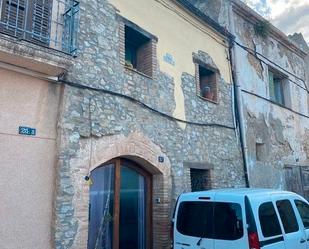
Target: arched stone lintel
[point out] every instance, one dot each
(135, 147)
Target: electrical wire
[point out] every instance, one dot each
(255, 53)
(82, 86)
(275, 103)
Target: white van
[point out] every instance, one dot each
(241, 219)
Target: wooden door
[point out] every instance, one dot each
(120, 207)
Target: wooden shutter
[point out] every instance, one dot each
(293, 179)
(13, 17)
(38, 22)
(29, 19)
(305, 181)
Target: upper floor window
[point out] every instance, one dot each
(278, 87)
(26, 19)
(50, 23)
(207, 82)
(139, 49)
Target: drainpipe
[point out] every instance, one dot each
(238, 97)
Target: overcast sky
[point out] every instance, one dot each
(288, 15)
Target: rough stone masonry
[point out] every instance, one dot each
(92, 117)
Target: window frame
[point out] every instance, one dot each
(199, 64)
(28, 18)
(203, 172)
(123, 22)
(281, 95)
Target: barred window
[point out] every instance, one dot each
(200, 179)
(27, 19)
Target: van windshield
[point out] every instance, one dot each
(213, 220)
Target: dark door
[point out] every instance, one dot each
(297, 179)
(119, 208)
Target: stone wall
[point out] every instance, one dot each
(90, 118)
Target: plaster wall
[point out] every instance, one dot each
(27, 164)
(279, 132)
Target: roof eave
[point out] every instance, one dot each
(205, 18)
(251, 16)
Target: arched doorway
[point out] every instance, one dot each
(120, 206)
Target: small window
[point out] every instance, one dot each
(277, 87)
(303, 209)
(200, 179)
(138, 51)
(214, 220)
(260, 151)
(269, 220)
(287, 216)
(207, 83)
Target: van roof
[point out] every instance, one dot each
(240, 192)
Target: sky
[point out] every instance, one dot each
(290, 16)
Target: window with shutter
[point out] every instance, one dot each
(278, 90)
(27, 19)
(39, 23)
(13, 17)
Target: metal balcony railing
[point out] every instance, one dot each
(49, 23)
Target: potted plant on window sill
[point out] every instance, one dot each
(129, 64)
(207, 93)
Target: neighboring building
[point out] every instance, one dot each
(29, 99)
(144, 67)
(271, 72)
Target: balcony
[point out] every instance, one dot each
(40, 35)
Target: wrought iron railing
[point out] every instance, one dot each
(50, 23)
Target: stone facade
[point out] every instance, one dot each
(97, 126)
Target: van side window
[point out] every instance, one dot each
(213, 220)
(303, 209)
(287, 216)
(269, 220)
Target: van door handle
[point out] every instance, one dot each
(302, 241)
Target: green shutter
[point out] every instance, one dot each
(271, 86)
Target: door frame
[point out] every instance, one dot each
(117, 162)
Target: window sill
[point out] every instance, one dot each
(209, 100)
(138, 72)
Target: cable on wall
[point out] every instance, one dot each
(255, 53)
(82, 86)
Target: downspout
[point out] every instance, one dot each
(238, 98)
